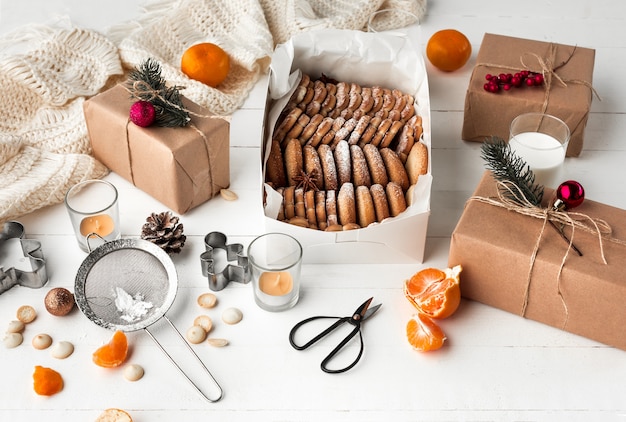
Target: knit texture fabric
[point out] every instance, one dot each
(44, 147)
(44, 144)
(247, 29)
(289, 17)
(238, 26)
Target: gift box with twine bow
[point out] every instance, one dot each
(514, 260)
(566, 92)
(182, 167)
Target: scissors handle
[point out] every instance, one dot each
(335, 351)
(340, 346)
(315, 339)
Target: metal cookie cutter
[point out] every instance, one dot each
(21, 260)
(239, 273)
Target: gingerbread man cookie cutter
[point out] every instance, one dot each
(239, 273)
(21, 260)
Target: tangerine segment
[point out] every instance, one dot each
(424, 334)
(434, 292)
(448, 50)
(46, 381)
(113, 353)
(206, 62)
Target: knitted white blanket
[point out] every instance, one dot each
(44, 146)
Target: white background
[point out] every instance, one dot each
(494, 366)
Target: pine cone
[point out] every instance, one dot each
(164, 231)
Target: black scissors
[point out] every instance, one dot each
(361, 314)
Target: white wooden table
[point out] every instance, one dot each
(494, 366)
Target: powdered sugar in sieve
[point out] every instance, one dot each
(128, 285)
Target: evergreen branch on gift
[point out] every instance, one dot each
(506, 166)
(146, 83)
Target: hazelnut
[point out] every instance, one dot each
(59, 301)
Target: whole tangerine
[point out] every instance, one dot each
(207, 63)
(448, 50)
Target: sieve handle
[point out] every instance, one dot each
(221, 392)
(89, 236)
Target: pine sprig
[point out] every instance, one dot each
(146, 83)
(506, 166)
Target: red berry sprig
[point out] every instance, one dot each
(506, 81)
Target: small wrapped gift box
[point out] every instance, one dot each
(566, 92)
(182, 167)
(521, 264)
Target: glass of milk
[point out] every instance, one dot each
(541, 141)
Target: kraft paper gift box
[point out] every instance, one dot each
(367, 59)
(495, 246)
(567, 96)
(181, 167)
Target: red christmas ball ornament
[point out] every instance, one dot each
(142, 113)
(570, 194)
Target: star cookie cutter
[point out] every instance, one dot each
(21, 260)
(239, 273)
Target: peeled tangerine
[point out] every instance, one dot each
(435, 294)
(113, 353)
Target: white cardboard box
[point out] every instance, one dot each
(368, 59)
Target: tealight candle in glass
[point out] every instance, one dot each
(93, 210)
(275, 260)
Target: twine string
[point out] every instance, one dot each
(153, 94)
(548, 69)
(577, 221)
(130, 156)
(208, 155)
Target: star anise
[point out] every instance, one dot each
(307, 181)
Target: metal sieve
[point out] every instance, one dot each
(128, 285)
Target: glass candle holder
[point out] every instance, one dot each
(275, 260)
(93, 210)
(541, 141)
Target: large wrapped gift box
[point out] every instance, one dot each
(368, 59)
(567, 96)
(181, 167)
(495, 246)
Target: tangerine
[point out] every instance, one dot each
(206, 62)
(423, 333)
(113, 353)
(448, 50)
(434, 292)
(47, 381)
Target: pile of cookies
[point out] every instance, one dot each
(345, 156)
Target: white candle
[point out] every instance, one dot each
(543, 153)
